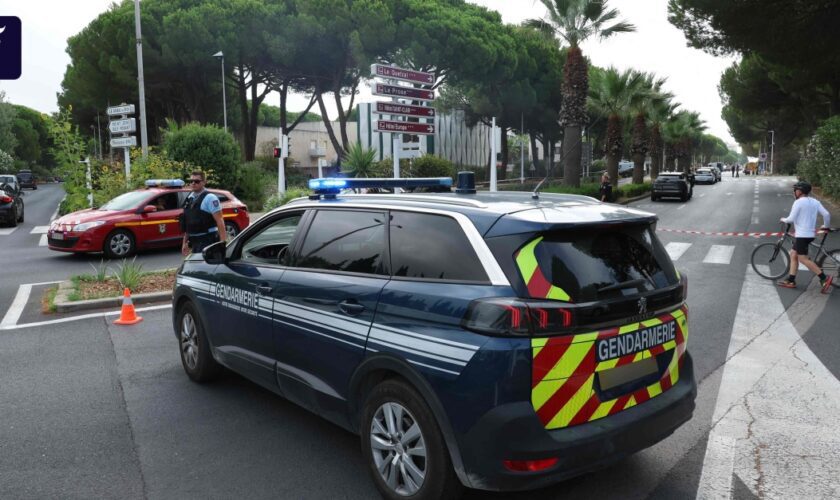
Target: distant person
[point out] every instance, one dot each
(733, 170)
(803, 216)
(606, 188)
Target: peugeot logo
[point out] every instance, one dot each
(642, 305)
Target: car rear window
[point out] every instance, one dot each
(433, 247)
(604, 263)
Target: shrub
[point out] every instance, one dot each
(275, 201)
(631, 190)
(821, 164)
(252, 185)
(206, 147)
(7, 163)
(592, 190)
(359, 161)
(432, 166)
(129, 274)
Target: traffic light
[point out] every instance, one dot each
(277, 152)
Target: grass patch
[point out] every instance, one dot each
(87, 287)
(48, 300)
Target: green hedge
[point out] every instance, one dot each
(208, 148)
(821, 164)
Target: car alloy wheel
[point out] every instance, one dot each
(189, 341)
(231, 229)
(119, 244)
(399, 449)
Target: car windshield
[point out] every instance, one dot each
(125, 201)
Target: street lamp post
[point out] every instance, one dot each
(144, 139)
(772, 148)
(221, 56)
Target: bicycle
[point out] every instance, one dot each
(772, 260)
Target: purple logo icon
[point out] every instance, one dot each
(10, 48)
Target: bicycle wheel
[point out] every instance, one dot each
(770, 260)
(830, 265)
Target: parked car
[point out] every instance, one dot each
(27, 179)
(493, 341)
(11, 201)
(706, 176)
(141, 219)
(10, 180)
(625, 168)
(673, 185)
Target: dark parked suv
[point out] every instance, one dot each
(673, 185)
(27, 179)
(490, 340)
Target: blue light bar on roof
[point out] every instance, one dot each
(176, 183)
(332, 184)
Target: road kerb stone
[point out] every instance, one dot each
(65, 288)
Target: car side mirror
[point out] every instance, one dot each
(215, 253)
(149, 209)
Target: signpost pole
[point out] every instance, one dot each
(127, 165)
(88, 183)
(772, 149)
(493, 156)
(144, 140)
(522, 151)
(281, 172)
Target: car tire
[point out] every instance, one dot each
(231, 229)
(653, 197)
(119, 244)
(196, 357)
(387, 446)
(20, 217)
(13, 219)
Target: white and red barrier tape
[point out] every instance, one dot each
(708, 233)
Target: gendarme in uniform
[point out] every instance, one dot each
(199, 220)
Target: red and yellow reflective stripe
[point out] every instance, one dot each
(564, 371)
(146, 223)
(535, 280)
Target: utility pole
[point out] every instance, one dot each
(522, 151)
(493, 187)
(772, 148)
(144, 139)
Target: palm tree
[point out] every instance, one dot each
(659, 113)
(612, 95)
(576, 21)
(681, 132)
(360, 161)
(640, 143)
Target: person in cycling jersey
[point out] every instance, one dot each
(803, 216)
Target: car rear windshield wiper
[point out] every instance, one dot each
(622, 285)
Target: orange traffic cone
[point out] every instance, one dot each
(127, 314)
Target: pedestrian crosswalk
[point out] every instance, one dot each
(713, 254)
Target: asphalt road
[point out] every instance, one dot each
(92, 410)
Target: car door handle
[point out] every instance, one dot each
(351, 308)
(264, 289)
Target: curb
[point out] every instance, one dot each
(626, 201)
(65, 288)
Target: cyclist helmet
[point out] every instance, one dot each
(803, 186)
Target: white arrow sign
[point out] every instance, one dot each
(127, 109)
(123, 126)
(124, 142)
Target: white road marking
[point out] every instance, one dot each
(7, 231)
(43, 241)
(676, 249)
(79, 318)
(729, 194)
(776, 403)
(16, 309)
(680, 207)
(755, 220)
(702, 195)
(39, 230)
(719, 254)
(55, 214)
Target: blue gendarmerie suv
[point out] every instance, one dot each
(497, 341)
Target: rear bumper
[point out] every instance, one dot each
(513, 432)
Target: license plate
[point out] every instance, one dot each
(635, 342)
(58, 236)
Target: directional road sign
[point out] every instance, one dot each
(405, 75)
(124, 142)
(125, 126)
(381, 89)
(389, 108)
(125, 109)
(404, 127)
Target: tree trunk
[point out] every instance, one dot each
(242, 90)
(535, 154)
(655, 152)
(615, 146)
(573, 115)
(330, 132)
(639, 148)
(548, 158)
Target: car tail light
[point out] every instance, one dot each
(508, 316)
(529, 465)
(5, 199)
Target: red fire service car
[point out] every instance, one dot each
(137, 220)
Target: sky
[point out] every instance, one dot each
(656, 47)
